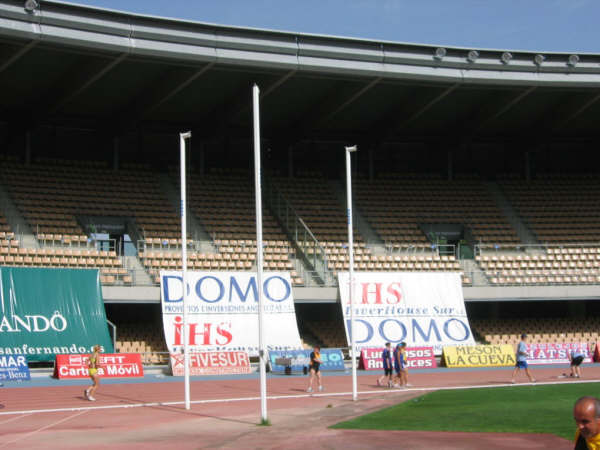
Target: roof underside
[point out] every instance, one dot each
(81, 67)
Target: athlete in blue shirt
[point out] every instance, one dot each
(398, 365)
(386, 357)
(522, 360)
(576, 357)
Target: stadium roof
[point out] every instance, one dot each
(88, 67)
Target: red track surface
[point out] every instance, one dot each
(299, 420)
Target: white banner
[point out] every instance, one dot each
(419, 308)
(223, 311)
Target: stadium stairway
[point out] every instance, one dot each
(276, 203)
(370, 236)
(523, 231)
(140, 275)
(195, 229)
(473, 271)
(16, 220)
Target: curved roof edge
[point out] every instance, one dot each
(93, 28)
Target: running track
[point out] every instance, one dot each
(149, 413)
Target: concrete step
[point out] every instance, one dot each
(285, 215)
(368, 233)
(472, 269)
(140, 276)
(194, 228)
(523, 231)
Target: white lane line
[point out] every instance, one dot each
(14, 418)
(283, 397)
(25, 436)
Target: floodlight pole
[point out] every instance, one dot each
(351, 266)
(184, 332)
(259, 254)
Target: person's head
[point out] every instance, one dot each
(97, 348)
(523, 337)
(403, 345)
(586, 413)
(317, 348)
(388, 345)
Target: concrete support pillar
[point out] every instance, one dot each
(189, 153)
(54, 139)
(116, 143)
(494, 310)
(576, 308)
(27, 147)
(139, 141)
(201, 157)
(291, 161)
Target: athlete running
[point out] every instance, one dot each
(315, 368)
(93, 364)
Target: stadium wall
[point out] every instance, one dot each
(151, 294)
(59, 23)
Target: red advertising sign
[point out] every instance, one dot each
(418, 358)
(212, 363)
(556, 353)
(110, 365)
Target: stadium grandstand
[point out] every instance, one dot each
(475, 161)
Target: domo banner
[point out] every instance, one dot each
(423, 309)
(46, 312)
(223, 311)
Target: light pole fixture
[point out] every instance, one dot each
(31, 5)
(439, 54)
(573, 60)
(506, 57)
(349, 150)
(183, 137)
(472, 56)
(539, 59)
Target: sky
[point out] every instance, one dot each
(536, 25)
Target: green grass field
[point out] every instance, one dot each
(519, 409)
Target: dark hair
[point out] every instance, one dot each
(402, 344)
(387, 344)
(523, 336)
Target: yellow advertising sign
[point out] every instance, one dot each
(479, 356)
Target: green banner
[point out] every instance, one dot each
(45, 312)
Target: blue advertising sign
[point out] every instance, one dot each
(333, 359)
(14, 367)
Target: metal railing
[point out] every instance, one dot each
(481, 249)
(64, 241)
(310, 278)
(166, 244)
(114, 333)
(312, 251)
(420, 249)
